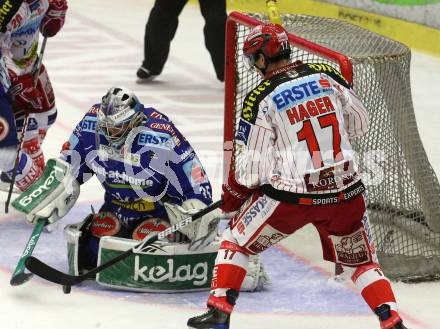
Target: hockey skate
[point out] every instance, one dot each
(212, 319)
(144, 75)
(389, 319)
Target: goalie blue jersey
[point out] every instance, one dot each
(155, 164)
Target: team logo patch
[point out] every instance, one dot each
(105, 224)
(195, 172)
(325, 84)
(351, 249)
(151, 226)
(300, 91)
(242, 134)
(94, 109)
(252, 100)
(4, 129)
(265, 239)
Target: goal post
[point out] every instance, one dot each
(404, 195)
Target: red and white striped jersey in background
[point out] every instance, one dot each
(294, 132)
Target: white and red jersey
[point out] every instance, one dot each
(20, 43)
(294, 132)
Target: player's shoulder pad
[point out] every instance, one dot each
(151, 112)
(313, 68)
(164, 126)
(92, 112)
(7, 11)
(252, 100)
(88, 122)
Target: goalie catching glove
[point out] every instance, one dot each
(202, 231)
(52, 195)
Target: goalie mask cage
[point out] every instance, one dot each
(404, 196)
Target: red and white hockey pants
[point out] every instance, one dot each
(261, 222)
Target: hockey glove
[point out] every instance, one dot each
(234, 195)
(202, 231)
(54, 19)
(25, 97)
(52, 195)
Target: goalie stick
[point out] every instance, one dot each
(19, 276)
(53, 275)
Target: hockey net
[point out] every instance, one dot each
(403, 192)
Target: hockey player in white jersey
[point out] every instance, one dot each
(294, 166)
(31, 91)
(8, 131)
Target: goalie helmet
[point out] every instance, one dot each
(120, 111)
(270, 40)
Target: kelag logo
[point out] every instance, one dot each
(195, 274)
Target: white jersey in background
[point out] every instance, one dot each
(24, 30)
(294, 132)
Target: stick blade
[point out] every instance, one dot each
(49, 273)
(20, 278)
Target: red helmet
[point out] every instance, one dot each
(270, 39)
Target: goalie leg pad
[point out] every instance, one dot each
(105, 224)
(83, 239)
(151, 226)
(77, 236)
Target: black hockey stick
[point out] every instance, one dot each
(35, 73)
(53, 275)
